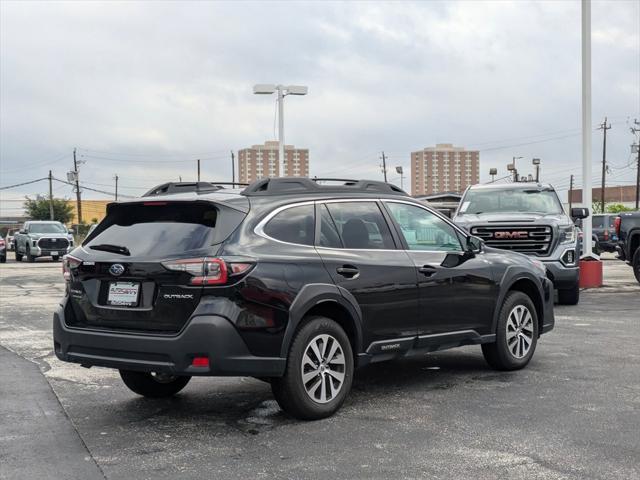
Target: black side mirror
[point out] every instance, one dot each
(579, 212)
(474, 244)
(22, 232)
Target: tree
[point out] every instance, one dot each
(38, 209)
(617, 208)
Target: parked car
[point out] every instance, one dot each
(3, 250)
(604, 231)
(294, 282)
(42, 239)
(9, 240)
(527, 218)
(627, 227)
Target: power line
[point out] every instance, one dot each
(24, 183)
(178, 155)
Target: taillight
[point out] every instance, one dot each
(203, 271)
(69, 262)
(616, 224)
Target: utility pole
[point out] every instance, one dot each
(384, 167)
(78, 195)
(116, 178)
(604, 128)
(570, 193)
(636, 146)
(233, 170)
(515, 170)
(50, 195)
(198, 169)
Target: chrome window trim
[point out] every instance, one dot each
(259, 229)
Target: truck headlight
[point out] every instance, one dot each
(568, 234)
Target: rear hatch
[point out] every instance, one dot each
(143, 268)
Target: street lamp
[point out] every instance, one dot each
(515, 170)
(536, 162)
(401, 172)
(283, 91)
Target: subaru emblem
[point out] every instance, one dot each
(116, 269)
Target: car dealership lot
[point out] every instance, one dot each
(574, 412)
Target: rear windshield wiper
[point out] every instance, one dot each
(105, 247)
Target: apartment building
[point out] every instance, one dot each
(444, 168)
(260, 161)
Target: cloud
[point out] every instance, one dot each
(140, 81)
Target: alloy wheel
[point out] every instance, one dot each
(323, 368)
(519, 331)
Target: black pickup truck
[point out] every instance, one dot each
(628, 229)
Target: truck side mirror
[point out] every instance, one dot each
(474, 244)
(580, 213)
(22, 231)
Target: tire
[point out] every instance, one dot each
(316, 398)
(3, 259)
(30, 258)
(18, 256)
(569, 296)
(153, 385)
(636, 264)
(517, 315)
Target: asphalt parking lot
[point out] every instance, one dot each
(574, 413)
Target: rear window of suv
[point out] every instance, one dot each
(162, 229)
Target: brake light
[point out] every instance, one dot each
(200, 361)
(238, 268)
(1, 242)
(69, 262)
(616, 224)
(152, 204)
(204, 271)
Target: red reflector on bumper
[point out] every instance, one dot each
(200, 362)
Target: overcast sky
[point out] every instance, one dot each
(142, 89)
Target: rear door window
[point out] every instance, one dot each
(361, 225)
(293, 225)
(165, 229)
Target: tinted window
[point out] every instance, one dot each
(603, 221)
(165, 229)
(422, 230)
(293, 225)
(329, 236)
(361, 225)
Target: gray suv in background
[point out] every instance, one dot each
(527, 218)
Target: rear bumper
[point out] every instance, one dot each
(205, 335)
(562, 276)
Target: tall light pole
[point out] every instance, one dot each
(586, 125)
(400, 171)
(515, 170)
(536, 162)
(493, 172)
(282, 91)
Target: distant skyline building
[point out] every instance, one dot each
(261, 161)
(444, 168)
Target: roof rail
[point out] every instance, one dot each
(303, 185)
(171, 188)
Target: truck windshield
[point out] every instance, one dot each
(510, 200)
(46, 228)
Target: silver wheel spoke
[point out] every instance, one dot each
(337, 360)
(337, 375)
(306, 360)
(316, 351)
(332, 351)
(309, 375)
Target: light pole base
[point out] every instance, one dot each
(590, 272)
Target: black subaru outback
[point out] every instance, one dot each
(292, 281)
